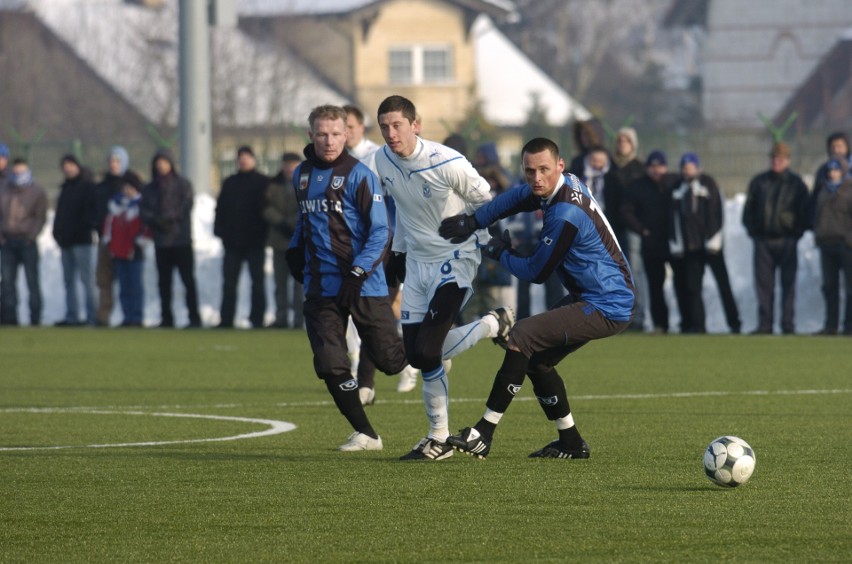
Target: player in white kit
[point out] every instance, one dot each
(430, 182)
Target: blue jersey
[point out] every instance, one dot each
(342, 223)
(576, 241)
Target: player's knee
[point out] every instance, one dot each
(425, 358)
(327, 364)
(537, 369)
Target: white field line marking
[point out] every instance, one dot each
(676, 395)
(418, 401)
(275, 427)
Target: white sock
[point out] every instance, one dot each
(436, 400)
(492, 416)
(565, 422)
(462, 338)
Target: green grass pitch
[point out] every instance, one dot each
(648, 407)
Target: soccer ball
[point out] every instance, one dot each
(729, 461)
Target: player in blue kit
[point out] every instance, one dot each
(342, 235)
(578, 243)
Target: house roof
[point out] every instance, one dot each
(260, 84)
(504, 8)
(508, 82)
(816, 98)
(135, 49)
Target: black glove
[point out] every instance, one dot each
(350, 288)
(458, 228)
(497, 245)
(296, 261)
(395, 268)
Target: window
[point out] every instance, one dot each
(419, 64)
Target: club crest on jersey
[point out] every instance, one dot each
(303, 181)
(336, 182)
(427, 192)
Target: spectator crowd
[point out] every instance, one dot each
(667, 215)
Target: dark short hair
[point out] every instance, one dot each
(397, 103)
(354, 111)
(540, 144)
(20, 161)
(290, 157)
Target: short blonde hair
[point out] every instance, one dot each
(326, 111)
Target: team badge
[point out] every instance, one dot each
(336, 182)
(303, 181)
(427, 192)
(349, 385)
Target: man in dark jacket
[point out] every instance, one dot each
(241, 226)
(167, 210)
(696, 217)
(645, 209)
(280, 213)
(72, 229)
(118, 172)
(775, 216)
(23, 211)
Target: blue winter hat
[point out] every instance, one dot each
(4, 150)
(120, 153)
(690, 158)
(656, 158)
(833, 164)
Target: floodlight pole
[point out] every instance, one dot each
(194, 71)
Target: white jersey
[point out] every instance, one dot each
(365, 151)
(432, 184)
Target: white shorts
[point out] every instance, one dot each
(422, 280)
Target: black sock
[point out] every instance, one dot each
(550, 391)
(486, 429)
(571, 438)
(344, 390)
(507, 382)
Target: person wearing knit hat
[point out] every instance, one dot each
(831, 202)
(646, 213)
(117, 172)
(630, 169)
(775, 215)
(240, 225)
(697, 217)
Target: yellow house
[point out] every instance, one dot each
(421, 49)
